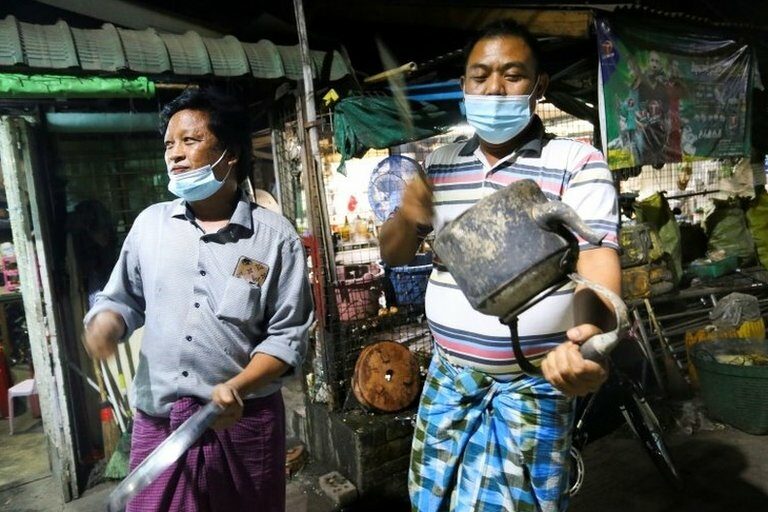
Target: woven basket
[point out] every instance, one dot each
(733, 393)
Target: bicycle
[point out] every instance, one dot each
(637, 413)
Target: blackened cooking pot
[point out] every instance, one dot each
(511, 246)
(514, 247)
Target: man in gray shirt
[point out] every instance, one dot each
(220, 286)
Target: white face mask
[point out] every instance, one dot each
(197, 184)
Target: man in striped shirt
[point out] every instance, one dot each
(489, 437)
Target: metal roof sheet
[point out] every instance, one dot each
(264, 59)
(100, 49)
(188, 53)
(114, 50)
(145, 51)
(227, 56)
(48, 46)
(11, 52)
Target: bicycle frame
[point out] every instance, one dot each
(640, 418)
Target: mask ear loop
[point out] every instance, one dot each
(229, 171)
(219, 160)
(539, 97)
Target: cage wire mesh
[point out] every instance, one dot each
(691, 187)
(287, 153)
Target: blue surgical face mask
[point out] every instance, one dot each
(497, 119)
(197, 184)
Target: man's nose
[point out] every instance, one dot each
(495, 85)
(174, 154)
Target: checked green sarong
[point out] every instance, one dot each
(484, 445)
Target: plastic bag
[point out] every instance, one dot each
(757, 219)
(655, 211)
(727, 231)
(735, 309)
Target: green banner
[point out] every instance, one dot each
(669, 95)
(63, 86)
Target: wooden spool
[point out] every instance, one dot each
(386, 377)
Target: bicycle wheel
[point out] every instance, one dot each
(645, 425)
(577, 470)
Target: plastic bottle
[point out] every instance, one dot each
(361, 230)
(345, 230)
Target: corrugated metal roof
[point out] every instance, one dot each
(188, 54)
(100, 49)
(113, 49)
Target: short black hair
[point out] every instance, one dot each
(227, 119)
(505, 28)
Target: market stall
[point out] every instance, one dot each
(678, 246)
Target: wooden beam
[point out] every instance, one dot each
(262, 141)
(540, 22)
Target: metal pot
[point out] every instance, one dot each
(511, 248)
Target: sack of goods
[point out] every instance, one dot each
(646, 268)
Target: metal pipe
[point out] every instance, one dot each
(645, 345)
(318, 211)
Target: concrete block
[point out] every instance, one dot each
(337, 488)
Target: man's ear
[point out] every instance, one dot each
(232, 161)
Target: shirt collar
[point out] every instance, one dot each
(532, 140)
(241, 216)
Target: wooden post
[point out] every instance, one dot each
(28, 238)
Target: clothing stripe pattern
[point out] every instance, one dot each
(566, 170)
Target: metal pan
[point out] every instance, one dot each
(163, 456)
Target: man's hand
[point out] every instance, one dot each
(227, 397)
(102, 334)
(416, 206)
(567, 371)
(398, 237)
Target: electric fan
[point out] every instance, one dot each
(388, 180)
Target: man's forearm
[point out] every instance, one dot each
(601, 266)
(261, 370)
(398, 240)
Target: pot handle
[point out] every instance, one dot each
(598, 347)
(550, 214)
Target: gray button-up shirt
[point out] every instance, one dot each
(202, 324)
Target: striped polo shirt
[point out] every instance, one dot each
(566, 170)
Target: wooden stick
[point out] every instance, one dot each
(109, 430)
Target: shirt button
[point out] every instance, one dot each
(189, 338)
(202, 272)
(197, 304)
(185, 373)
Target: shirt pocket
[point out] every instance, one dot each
(240, 303)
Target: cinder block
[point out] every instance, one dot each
(338, 488)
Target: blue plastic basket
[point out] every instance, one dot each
(410, 281)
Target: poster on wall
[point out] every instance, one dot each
(668, 95)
